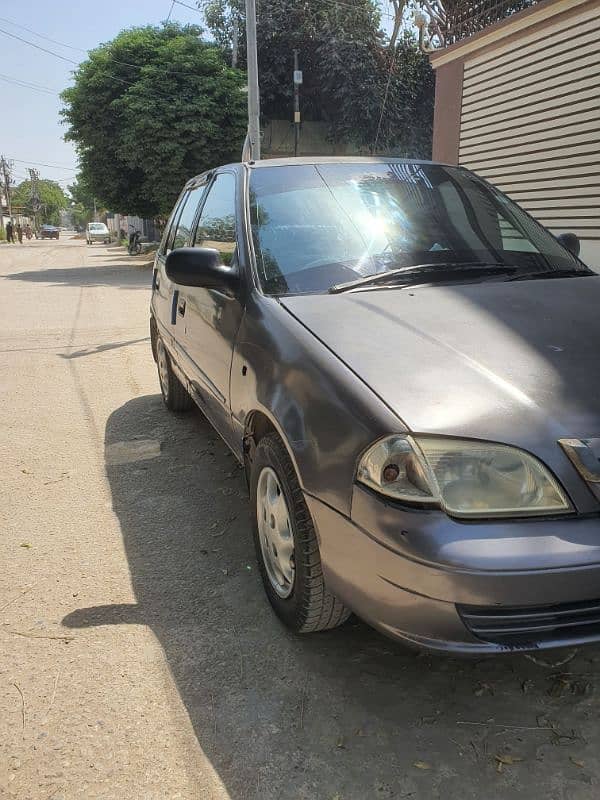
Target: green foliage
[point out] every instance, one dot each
(52, 200)
(83, 210)
(149, 110)
(346, 62)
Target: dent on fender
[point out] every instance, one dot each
(324, 413)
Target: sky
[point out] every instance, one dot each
(30, 125)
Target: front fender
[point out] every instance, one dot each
(325, 414)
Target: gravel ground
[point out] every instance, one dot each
(138, 656)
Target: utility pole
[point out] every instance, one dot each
(297, 84)
(36, 204)
(252, 146)
(5, 168)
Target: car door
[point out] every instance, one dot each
(212, 318)
(165, 294)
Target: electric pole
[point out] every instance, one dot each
(6, 168)
(36, 203)
(252, 146)
(297, 83)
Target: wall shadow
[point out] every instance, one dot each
(345, 714)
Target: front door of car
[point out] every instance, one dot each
(212, 318)
(165, 294)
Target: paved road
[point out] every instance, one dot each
(138, 657)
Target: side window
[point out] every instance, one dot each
(216, 227)
(169, 232)
(182, 234)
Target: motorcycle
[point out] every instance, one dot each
(135, 245)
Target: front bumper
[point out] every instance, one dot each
(466, 588)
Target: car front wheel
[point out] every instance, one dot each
(286, 543)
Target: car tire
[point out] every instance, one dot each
(301, 601)
(175, 396)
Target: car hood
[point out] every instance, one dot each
(517, 362)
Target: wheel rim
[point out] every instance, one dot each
(163, 370)
(275, 533)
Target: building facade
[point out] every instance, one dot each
(519, 103)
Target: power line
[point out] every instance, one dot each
(41, 35)
(158, 95)
(27, 85)
(37, 46)
(40, 164)
(69, 60)
(63, 44)
(185, 5)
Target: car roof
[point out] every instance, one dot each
(310, 160)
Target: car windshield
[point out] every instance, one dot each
(318, 225)
(97, 226)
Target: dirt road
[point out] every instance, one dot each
(138, 656)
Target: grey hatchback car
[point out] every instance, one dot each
(406, 364)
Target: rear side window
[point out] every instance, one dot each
(170, 228)
(183, 234)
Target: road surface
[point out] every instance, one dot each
(138, 656)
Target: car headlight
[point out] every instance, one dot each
(464, 478)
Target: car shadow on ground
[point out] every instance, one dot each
(345, 714)
(117, 274)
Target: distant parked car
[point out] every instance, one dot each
(97, 232)
(49, 232)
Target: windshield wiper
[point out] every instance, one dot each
(553, 273)
(441, 268)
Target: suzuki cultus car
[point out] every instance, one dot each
(407, 365)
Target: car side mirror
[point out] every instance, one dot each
(203, 267)
(570, 241)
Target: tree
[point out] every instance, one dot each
(149, 110)
(52, 200)
(82, 206)
(351, 72)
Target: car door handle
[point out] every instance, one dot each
(181, 307)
